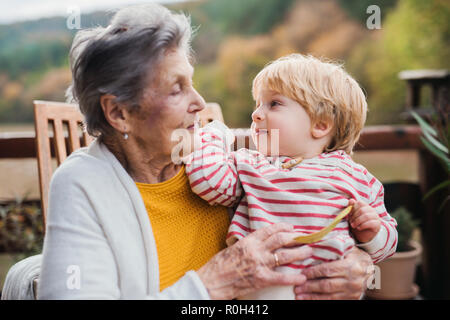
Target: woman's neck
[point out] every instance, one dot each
(142, 164)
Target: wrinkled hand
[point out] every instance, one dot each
(337, 280)
(364, 221)
(249, 264)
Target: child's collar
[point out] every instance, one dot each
(289, 163)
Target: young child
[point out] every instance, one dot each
(308, 117)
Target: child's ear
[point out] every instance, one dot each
(321, 129)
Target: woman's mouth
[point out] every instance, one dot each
(193, 126)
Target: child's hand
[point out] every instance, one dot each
(364, 221)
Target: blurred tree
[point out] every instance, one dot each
(247, 17)
(31, 54)
(34, 56)
(415, 35)
(237, 38)
(318, 27)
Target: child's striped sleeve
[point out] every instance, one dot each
(384, 244)
(211, 167)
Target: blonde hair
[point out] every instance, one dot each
(323, 89)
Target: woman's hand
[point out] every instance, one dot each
(338, 280)
(249, 263)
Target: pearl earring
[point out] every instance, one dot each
(125, 136)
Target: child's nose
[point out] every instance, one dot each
(257, 115)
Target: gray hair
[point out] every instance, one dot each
(118, 59)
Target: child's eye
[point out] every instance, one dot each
(274, 103)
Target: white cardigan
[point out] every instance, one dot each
(99, 242)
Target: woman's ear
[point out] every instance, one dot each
(116, 115)
(321, 129)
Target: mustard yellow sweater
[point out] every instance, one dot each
(187, 230)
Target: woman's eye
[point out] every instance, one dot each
(176, 89)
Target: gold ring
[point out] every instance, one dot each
(277, 262)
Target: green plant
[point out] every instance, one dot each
(21, 229)
(436, 138)
(405, 227)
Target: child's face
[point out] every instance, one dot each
(280, 122)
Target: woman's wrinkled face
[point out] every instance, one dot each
(169, 105)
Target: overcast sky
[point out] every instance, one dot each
(20, 10)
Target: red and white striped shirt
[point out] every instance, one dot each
(308, 196)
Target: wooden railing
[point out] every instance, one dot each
(15, 145)
(373, 138)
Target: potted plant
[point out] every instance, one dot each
(436, 138)
(397, 273)
(435, 127)
(21, 234)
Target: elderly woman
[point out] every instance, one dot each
(123, 222)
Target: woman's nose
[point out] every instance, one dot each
(258, 115)
(198, 103)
